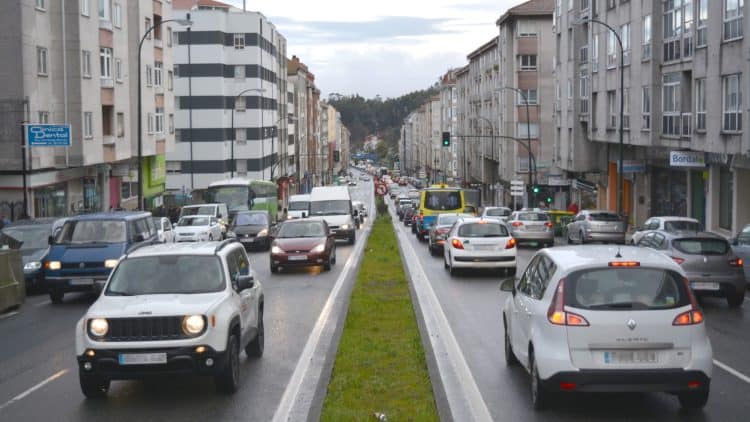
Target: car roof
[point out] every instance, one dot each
(572, 258)
(112, 215)
(179, 248)
(468, 220)
(681, 234)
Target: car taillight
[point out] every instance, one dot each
(549, 224)
(557, 315)
(516, 224)
(736, 262)
(694, 315)
(457, 244)
(678, 260)
(511, 244)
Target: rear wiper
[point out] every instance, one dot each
(114, 293)
(616, 305)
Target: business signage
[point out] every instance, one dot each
(48, 135)
(687, 159)
(633, 166)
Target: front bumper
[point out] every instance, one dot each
(253, 242)
(82, 283)
(180, 361)
(306, 260)
(623, 381)
(343, 234)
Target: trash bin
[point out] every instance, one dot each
(12, 284)
(560, 219)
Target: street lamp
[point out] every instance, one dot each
(621, 166)
(184, 22)
(528, 136)
(234, 135)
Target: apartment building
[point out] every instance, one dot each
(78, 66)
(231, 96)
(302, 83)
(686, 146)
(448, 120)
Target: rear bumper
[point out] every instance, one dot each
(180, 361)
(546, 236)
(734, 283)
(620, 381)
(615, 237)
(467, 261)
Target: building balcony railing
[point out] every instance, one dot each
(107, 82)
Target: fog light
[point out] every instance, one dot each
(200, 349)
(209, 362)
(90, 353)
(87, 366)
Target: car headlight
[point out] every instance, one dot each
(263, 232)
(276, 250)
(32, 266)
(344, 227)
(110, 263)
(54, 265)
(193, 324)
(98, 327)
(319, 248)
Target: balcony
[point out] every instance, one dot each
(105, 24)
(677, 125)
(107, 82)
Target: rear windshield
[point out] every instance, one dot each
(625, 289)
(533, 216)
(676, 226)
(498, 212)
(744, 237)
(446, 220)
(442, 200)
(701, 246)
(482, 230)
(604, 216)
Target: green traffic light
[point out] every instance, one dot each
(536, 189)
(549, 199)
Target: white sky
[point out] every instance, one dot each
(381, 47)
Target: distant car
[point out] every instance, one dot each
(299, 205)
(712, 267)
(303, 243)
(32, 238)
(474, 243)
(439, 232)
(252, 229)
(606, 319)
(197, 228)
(532, 226)
(409, 217)
(364, 178)
(164, 229)
(741, 246)
(596, 226)
(498, 213)
(219, 211)
(669, 224)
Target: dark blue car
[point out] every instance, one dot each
(30, 237)
(87, 247)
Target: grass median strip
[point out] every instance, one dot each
(380, 367)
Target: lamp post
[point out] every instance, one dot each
(183, 22)
(621, 166)
(234, 135)
(528, 139)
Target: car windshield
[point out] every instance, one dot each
(250, 219)
(625, 289)
(193, 221)
(33, 237)
(306, 229)
(533, 216)
(744, 237)
(699, 246)
(333, 207)
(482, 230)
(201, 210)
(299, 206)
(604, 216)
(92, 231)
(166, 274)
(682, 225)
(498, 212)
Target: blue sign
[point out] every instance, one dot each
(48, 135)
(633, 166)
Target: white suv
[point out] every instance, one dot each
(607, 319)
(172, 309)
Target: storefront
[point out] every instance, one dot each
(51, 201)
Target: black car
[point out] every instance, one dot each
(408, 215)
(32, 238)
(252, 228)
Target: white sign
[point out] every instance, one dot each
(687, 159)
(516, 193)
(516, 182)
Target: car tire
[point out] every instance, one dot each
(228, 380)
(352, 238)
(257, 345)
(451, 269)
(735, 299)
(511, 272)
(539, 396)
(56, 296)
(93, 386)
(693, 399)
(510, 356)
(445, 262)
(327, 265)
(581, 238)
(274, 269)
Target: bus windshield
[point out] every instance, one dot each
(237, 198)
(442, 200)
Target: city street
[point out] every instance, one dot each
(472, 304)
(39, 375)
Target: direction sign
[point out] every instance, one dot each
(48, 135)
(517, 187)
(381, 189)
(516, 182)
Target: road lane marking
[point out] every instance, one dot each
(45, 303)
(296, 402)
(732, 371)
(8, 315)
(21, 396)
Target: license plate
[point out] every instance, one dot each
(704, 285)
(630, 356)
(484, 247)
(535, 228)
(82, 282)
(298, 258)
(142, 358)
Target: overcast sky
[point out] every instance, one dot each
(381, 47)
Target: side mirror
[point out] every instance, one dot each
(51, 240)
(355, 213)
(304, 214)
(245, 282)
(139, 238)
(508, 285)
(285, 211)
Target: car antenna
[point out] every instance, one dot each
(618, 252)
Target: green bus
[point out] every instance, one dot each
(242, 194)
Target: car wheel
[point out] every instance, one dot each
(333, 253)
(539, 395)
(510, 357)
(693, 399)
(511, 271)
(735, 299)
(274, 269)
(56, 296)
(581, 238)
(228, 380)
(210, 237)
(327, 265)
(352, 238)
(451, 269)
(93, 386)
(445, 262)
(568, 240)
(257, 345)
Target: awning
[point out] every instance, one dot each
(583, 185)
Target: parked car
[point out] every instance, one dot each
(439, 232)
(498, 213)
(596, 226)
(607, 319)
(197, 228)
(173, 309)
(219, 211)
(87, 247)
(741, 246)
(252, 228)
(474, 243)
(532, 226)
(31, 237)
(164, 229)
(303, 243)
(712, 267)
(669, 224)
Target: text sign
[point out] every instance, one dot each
(687, 159)
(633, 166)
(48, 135)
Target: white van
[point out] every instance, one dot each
(334, 205)
(215, 210)
(298, 205)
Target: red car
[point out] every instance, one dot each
(301, 243)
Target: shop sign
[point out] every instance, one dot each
(687, 159)
(158, 167)
(633, 166)
(557, 181)
(48, 135)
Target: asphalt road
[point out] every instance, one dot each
(39, 378)
(472, 304)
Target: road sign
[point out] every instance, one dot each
(516, 183)
(517, 187)
(48, 135)
(381, 189)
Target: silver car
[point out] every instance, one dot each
(439, 232)
(532, 226)
(712, 267)
(669, 224)
(498, 213)
(741, 246)
(595, 226)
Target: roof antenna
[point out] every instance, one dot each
(618, 252)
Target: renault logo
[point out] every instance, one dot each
(631, 324)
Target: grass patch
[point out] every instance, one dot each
(380, 366)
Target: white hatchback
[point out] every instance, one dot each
(478, 243)
(607, 319)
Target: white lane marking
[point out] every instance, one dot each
(732, 371)
(45, 303)
(8, 315)
(295, 404)
(21, 396)
(461, 390)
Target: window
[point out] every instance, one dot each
(159, 120)
(529, 94)
(733, 19)
(88, 124)
(646, 44)
(672, 23)
(118, 70)
(527, 61)
(41, 61)
(611, 50)
(174, 167)
(595, 53)
(702, 35)
(611, 109)
(104, 10)
(584, 91)
(158, 66)
(726, 200)
(149, 76)
(239, 72)
(117, 15)
(700, 104)
(239, 41)
(171, 123)
(148, 28)
(105, 63)
(671, 104)
(732, 103)
(44, 117)
(240, 135)
(41, 4)
(524, 129)
(626, 109)
(625, 38)
(169, 37)
(128, 190)
(170, 80)
(85, 7)
(149, 123)
(86, 65)
(239, 103)
(526, 28)
(646, 108)
(120, 125)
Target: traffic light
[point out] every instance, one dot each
(549, 198)
(336, 156)
(446, 139)
(535, 189)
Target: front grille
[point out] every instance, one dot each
(145, 329)
(77, 265)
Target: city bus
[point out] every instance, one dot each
(241, 194)
(437, 199)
